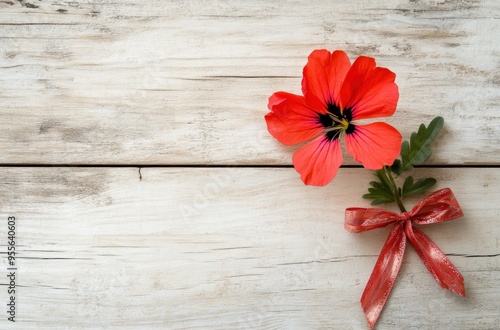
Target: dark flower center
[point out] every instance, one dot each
(335, 122)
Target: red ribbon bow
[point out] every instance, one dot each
(437, 207)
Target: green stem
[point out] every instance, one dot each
(394, 188)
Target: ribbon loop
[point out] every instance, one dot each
(437, 207)
(359, 219)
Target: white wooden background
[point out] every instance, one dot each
(148, 193)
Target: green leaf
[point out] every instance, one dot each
(380, 186)
(380, 193)
(381, 190)
(383, 179)
(407, 185)
(377, 194)
(418, 150)
(396, 166)
(378, 199)
(417, 187)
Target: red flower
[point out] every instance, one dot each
(335, 94)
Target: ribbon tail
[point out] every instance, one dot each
(384, 274)
(440, 267)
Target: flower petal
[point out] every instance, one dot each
(318, 161)
(369, 91)
(374, 145)
(290, 120)
(324, 74)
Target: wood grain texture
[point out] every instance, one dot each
(184, 82)
(227, 248)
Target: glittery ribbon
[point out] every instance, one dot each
(438, 207)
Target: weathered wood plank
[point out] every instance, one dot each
(182, 82)
(219, 248)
